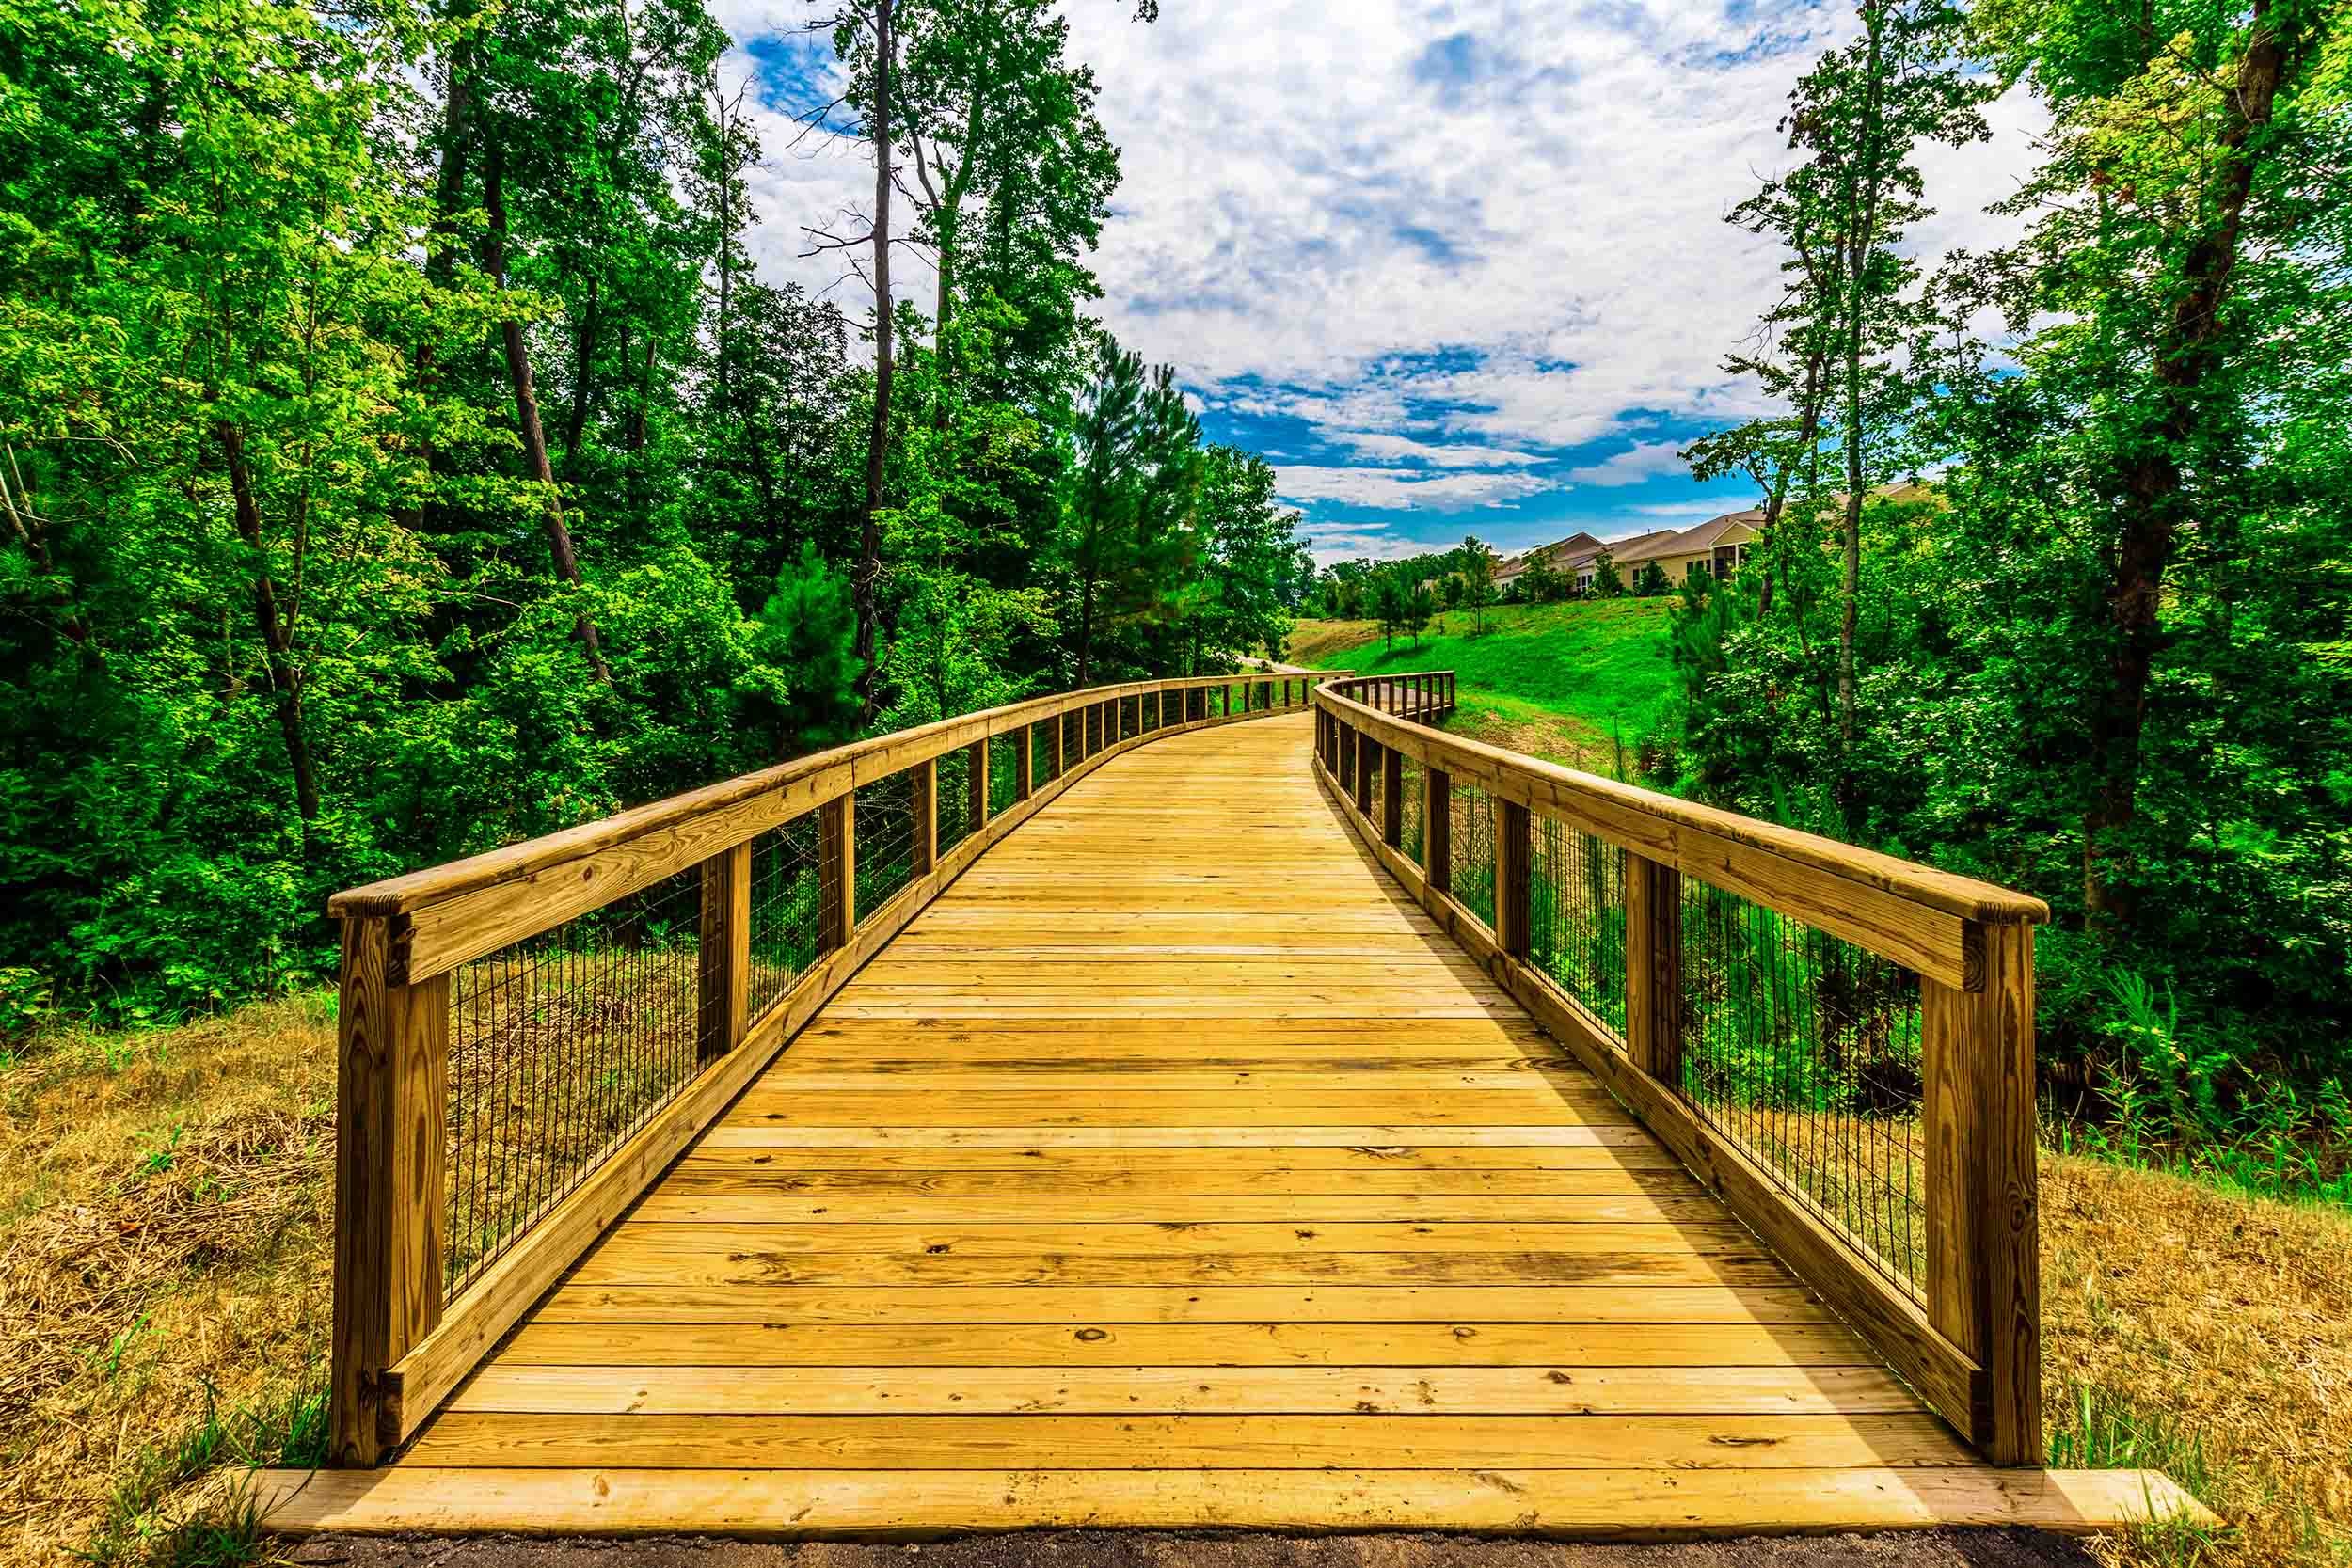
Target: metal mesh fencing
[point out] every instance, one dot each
(1472, 841)
(885, 850)
(559, 1047)
(1806, 1049)
(1004, 771)
(954, 818)
(1415, 808)
(1576, 916)
(787, 885)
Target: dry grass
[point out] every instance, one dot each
(164, 1267)
(2219, 1328)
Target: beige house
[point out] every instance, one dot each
(1717, 548)
(1566, 557)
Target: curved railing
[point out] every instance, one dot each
(1838, 1043)
(528, 1036)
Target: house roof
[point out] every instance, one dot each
(1575, 549)
(1643, 546)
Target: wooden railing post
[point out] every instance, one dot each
(1392, 797)
(1367, 758)
(1437, 828)
(977, 784)
(723, 953)
(1983, 1258)
(1653, 969)
(1346, 769)
(1024, 764)
(392, 1093)
(925, 824)
(836, 872)
(1515, 855)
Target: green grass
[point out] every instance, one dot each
(1600, 665)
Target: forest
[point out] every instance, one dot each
(402, 454)
(2107, 660)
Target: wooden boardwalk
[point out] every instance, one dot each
(1173, 1168)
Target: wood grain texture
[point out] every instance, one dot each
(1172, 1164)
(1504, 1500)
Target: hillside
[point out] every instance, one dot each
(1567, 682)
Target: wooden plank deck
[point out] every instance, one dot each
(1173, 1169)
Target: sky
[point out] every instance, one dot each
(1451, 266)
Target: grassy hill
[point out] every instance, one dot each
(1561, 681)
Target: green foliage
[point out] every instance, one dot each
(356, 368)
(1650, 581)
(1604, 664)
(2102, 658)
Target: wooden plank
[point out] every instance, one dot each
(1653, 969)
(723, 953)
(1983, 1258)
(924, 788)
(836, 856)
(391, 1097)
(1508, 1500)
(1411, 1392)
(740, 1199)
(635, 1263)
(913, 1107)
(1219, 1302)
(1680, 1443)
(760, 1250)
(1186, 1344)
(1339, 1136)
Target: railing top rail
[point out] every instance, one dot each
(810, 781)
(1662, 826)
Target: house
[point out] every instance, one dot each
(1566, 557)
(1717, 548)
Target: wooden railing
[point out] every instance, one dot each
(530, 1036)
(1837, 1042)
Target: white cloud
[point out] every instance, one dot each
(1702, 509)
(1521, 250)
(1405, 448)
(1643, 460)
(1392, 489)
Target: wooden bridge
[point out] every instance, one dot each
(1236, 1104)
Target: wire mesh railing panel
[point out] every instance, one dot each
(788, 882)
(884, 851)
(1470, 878)
(1042, 738)
(954, 820)
(1576, 916)
(559, 1047)
(1004, 772)
(1416, 806)
(1806, 1049)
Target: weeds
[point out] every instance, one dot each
(141, 1524)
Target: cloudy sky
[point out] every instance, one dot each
(1451, 266)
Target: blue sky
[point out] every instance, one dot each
(1452, 266)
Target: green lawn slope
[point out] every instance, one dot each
(1563, 681)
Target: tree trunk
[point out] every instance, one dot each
(527, 410)
(2188, 351)
(285, 678)
(1086, 629)
(865, 585)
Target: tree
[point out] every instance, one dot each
(1130, 535)
(2182, 177)
(1478, 580)
(1608, 583)
(1540, 583)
